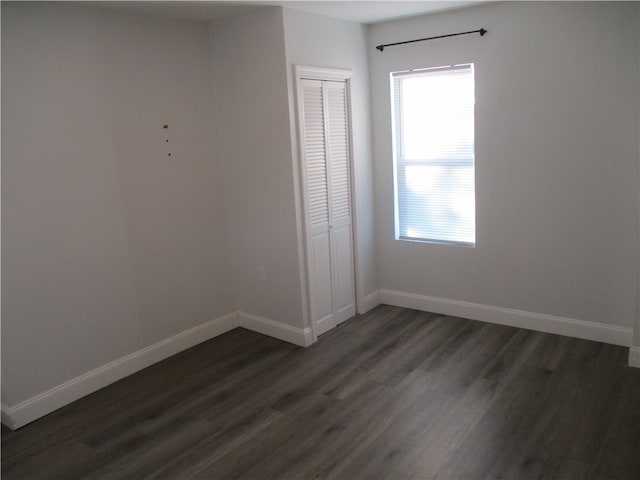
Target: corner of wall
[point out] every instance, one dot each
(343, 46)
(57, 397)
(6, 418)
(259, 176)
(298, 336)
(370, 301)
(634, 357)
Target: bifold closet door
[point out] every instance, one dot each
(328, 202)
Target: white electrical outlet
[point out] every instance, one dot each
(262, 275)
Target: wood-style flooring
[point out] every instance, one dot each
(392, 394)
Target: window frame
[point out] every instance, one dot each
(403, 163)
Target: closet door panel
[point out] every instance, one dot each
(343, 261)
(322, 306)
(338, 151)
(315, 153)
(316, 183)
(340, 199)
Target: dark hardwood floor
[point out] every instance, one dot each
(392, 394)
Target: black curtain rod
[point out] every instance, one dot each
(482, 31)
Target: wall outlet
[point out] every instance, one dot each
(262, 275)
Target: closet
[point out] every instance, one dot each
(327, 192)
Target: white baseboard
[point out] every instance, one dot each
(76, 388)
(35, 407)
(514, 318)
(634, 357)
(279, 330)
(371, 301)
(6, 418)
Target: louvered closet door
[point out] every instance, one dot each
(340, 200)
(317, 203)
(328, 203)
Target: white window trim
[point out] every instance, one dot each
(397, 235)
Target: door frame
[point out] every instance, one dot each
(325, 74)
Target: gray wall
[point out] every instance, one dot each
(556, 157)
(636, 331)
(248, 56)
(108, 244)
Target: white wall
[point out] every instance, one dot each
(108, 244)
(248, 56)
(556, 157)
(314, 40)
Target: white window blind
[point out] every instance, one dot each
(434, 161)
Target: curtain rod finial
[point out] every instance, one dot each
(380, 47)
(482, 32)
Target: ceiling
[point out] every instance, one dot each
(364, 11)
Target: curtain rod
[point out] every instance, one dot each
(481, 31)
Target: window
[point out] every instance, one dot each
(434, 164)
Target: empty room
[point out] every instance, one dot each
(320, 240)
